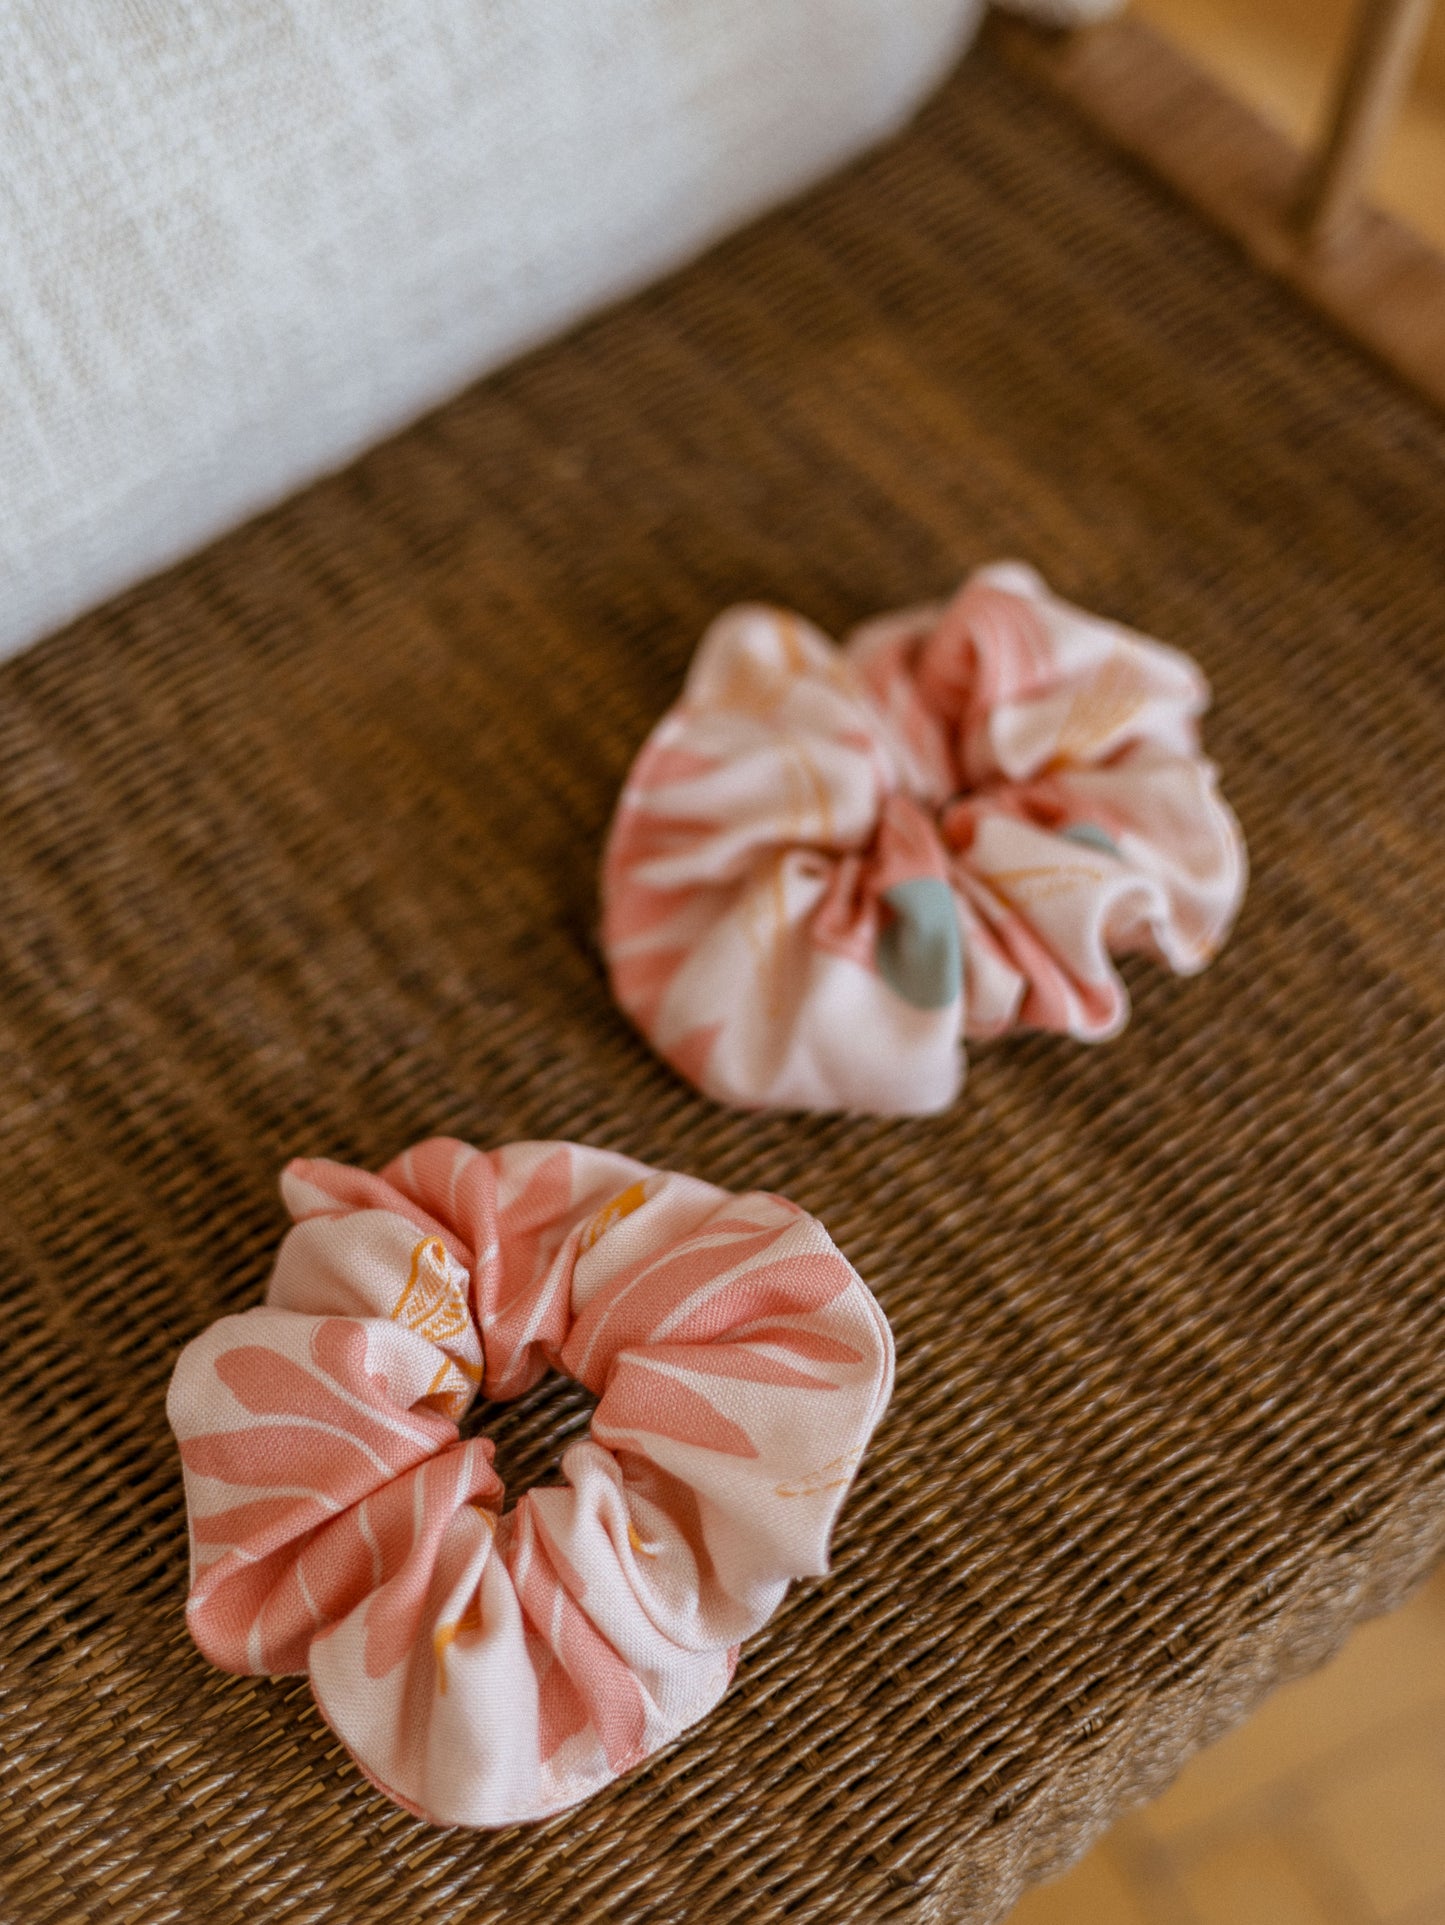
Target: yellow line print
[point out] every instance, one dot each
(825, 1478)
(446, 1633)
(1042, 882)
(816, 801)
(1099, 710)
(794, 653)
(430, 1303)
(443, 1635)
(432, 1247)
(611, 1213)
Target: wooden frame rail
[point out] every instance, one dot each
(1299, 217)
(1370, 92)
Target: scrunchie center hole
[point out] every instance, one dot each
(532, 1431)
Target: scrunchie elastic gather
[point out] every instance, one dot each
(829, 866)
(484, 1667)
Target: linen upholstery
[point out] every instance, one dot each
(239, 243)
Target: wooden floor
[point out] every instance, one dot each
(1281, 55)
(1327, 1808)
(1373, 273)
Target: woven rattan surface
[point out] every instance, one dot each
(298, 854)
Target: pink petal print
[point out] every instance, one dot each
(454, 1184)
(339, 1346)
(639, 1399)
(520, 1330)
(990, 646)
(806, 1343)
(558, 1562)
(536, 1207)
(300, 1608)
(263, 1455)
(642, 978)
(614, 1701)
(733, 1360)
(662, 764)
(227, 1605)
(638, 912)
(636, 1299)
(355, 1189)
(846, 920)
(808, 1280)
(271, 1385)
(263, 1517)
(562, 1714)
(262, 1615)
(407, 1520)
(260, 1605)
(691, 1053)
(643, 838)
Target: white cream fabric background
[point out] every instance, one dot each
(242, 239)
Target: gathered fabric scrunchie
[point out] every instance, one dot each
(487, 1667)
(828, 866)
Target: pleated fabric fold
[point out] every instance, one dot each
(487, 1666)
(828, 867)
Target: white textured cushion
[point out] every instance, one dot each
(241, 239)
(1062, 13)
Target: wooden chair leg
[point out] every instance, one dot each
(1382, 58)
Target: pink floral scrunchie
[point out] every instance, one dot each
(829, 866)
(487, 1667)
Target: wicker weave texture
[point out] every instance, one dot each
(298, 850)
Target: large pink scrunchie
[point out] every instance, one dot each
(829, 866)
(487, 1668)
